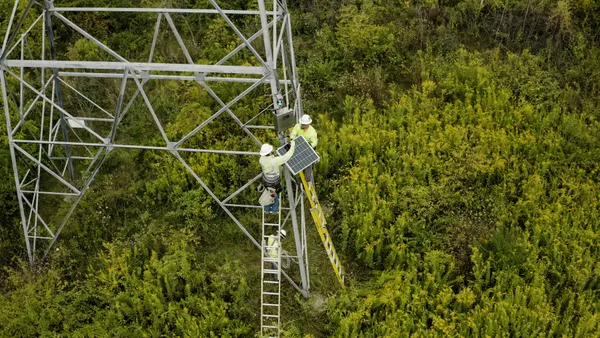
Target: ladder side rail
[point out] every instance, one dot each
(319, 218)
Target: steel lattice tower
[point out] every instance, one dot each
(58, 149)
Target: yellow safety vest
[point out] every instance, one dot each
(274, 243)
(310, 134)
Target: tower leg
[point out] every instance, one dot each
(297, 234)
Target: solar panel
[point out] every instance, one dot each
(304, 155)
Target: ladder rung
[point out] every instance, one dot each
(271, 291)
(272, 224)
(270, 327)
(270, 282)
(273, 260)
(271, 316)
(269, 304)
(270, 271)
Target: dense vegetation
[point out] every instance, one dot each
(460, 149)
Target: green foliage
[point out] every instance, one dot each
(361, 42)
(459, 164)
(479, 154)
(150, 287)
(10, 232)
(421, 303)
(84, 50)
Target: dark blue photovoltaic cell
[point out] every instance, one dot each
(304, 155)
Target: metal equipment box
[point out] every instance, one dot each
(284, 119)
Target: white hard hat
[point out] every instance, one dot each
(305, 119)
(282, 233)
(266, 149)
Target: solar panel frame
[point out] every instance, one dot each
(304, 156)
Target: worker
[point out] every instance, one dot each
(273, 246)
(310, 134)
(271, 172)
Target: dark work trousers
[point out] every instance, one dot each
(308, 173)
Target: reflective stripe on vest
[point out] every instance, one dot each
(270, 179)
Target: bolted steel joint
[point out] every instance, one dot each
(200, 78)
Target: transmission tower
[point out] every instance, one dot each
(60, 135)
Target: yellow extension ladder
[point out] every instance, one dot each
(319, 218)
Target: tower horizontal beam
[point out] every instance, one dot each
(165, 77)
(153, 10)
(141, 147)
(136, 66)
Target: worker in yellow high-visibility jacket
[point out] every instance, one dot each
(271, 171)
(273, 247)
(310, 134)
